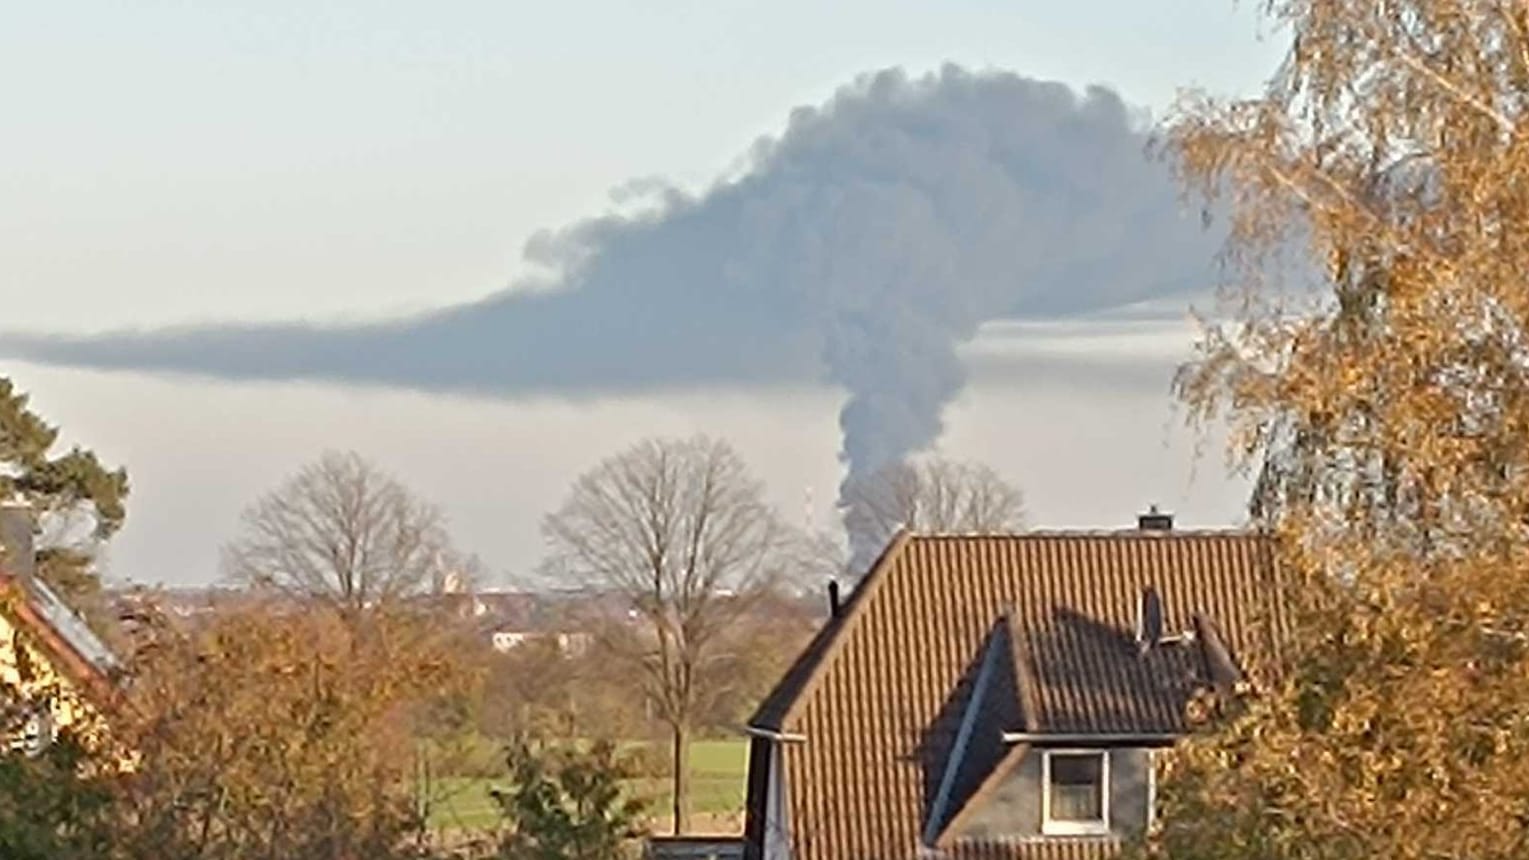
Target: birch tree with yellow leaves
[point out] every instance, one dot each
(1388, 424)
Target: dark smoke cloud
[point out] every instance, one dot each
(862, 246)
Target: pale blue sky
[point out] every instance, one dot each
(165, 162)
(169, 161)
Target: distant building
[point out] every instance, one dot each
(505, 641)
(505, 620)
(567, 644)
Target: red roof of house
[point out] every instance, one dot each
(71, 648)
(879, 693)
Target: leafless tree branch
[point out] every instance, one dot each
(682, 533)
(932, 495)
(344, 533)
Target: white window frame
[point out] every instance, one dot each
(1050, 827)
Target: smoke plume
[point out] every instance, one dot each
(860, 247)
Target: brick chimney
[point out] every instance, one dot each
(19, 559)
(1154, 521)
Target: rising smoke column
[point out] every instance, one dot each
(921, 209)
(862, 246)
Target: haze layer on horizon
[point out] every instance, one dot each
(1077, 414)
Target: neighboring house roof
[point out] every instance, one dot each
(1037, 635)
(70, 646)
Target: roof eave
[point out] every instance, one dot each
(773, 735)
(1093, 738)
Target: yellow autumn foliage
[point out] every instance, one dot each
(1375, 373)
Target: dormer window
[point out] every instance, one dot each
(1075, 798)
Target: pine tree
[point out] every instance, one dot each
(78, 501)
(565, 802)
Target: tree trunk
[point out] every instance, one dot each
(681, 753)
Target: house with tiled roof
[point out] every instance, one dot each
(1003, 696)
(51, 662)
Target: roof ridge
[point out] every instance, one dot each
(1024, 678)
(1123, 532)
(934, 825)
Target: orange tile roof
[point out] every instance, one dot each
(1051, 849)
(90, 678)
(879, 694)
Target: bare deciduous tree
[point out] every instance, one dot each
(931, 495)
(682, 532)
(344, 533)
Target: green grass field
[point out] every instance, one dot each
(718, 769)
